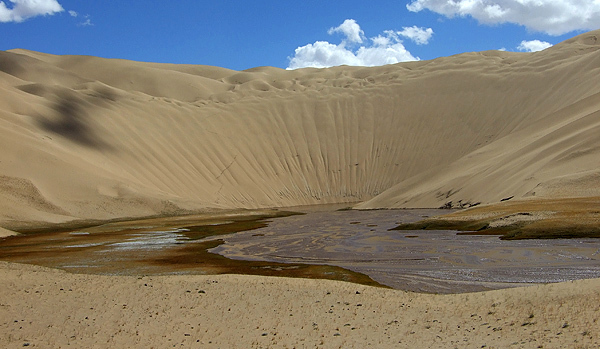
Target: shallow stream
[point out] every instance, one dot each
(424, 261)
(322, 243)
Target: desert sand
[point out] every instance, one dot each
(87, 138)
(50, 308)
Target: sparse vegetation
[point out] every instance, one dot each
(525, 219)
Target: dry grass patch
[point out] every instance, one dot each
(523, 219)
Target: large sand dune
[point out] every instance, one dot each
(85, 137)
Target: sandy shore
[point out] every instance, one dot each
(44, 308)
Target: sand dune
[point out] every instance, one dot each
(551, 158)
(85, 137)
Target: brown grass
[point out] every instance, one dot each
(524, 219)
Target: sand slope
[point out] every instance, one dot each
(85, 137)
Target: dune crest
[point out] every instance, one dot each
(105, 138)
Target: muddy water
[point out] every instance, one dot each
(160, 246)
(324, 243)
(424, 261)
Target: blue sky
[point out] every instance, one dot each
(280, 33)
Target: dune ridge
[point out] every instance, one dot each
(86, 137)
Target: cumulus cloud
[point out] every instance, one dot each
(554, 17)
(350, 29)
(355, 49)
(24, 9)
(420, 36)
(73, 13)
(533, 45)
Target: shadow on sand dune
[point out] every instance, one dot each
(73, 122)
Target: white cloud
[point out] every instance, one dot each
(419, 35)
(87, 22)
(533, 45)
(73, 13)
(386, 48)
(24, 9)
(554, 17)
(351, 31)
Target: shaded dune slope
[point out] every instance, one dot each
(86, 137)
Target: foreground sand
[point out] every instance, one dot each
(44, 308)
